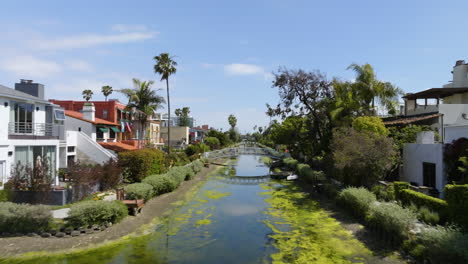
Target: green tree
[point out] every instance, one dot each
(232, 121)
(370, 89)
(166, 66)
(106, 91)
(183, 114)
(144, 99)
(370, 124)
(87, 94)
(362, 158)
(212, 142)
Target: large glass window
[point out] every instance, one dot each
(22, 116)
(32, 155)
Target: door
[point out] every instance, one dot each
(429, 174)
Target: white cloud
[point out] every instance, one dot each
(128, 28)
(88, 40)
(79, 65)
(243, 69)
(29, 66)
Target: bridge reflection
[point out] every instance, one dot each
(244, 180)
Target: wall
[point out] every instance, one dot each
(177, 134)
(87, 150)
(72, 124)
(413, 157)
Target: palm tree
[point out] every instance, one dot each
(232, 121)
(87, 94)
(370, 88)
(106, 90)
(144, 99)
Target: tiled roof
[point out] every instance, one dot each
(117, 146)
(97, 121)
(411, 119)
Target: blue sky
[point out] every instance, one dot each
(226, 50)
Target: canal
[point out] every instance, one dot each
(237, 218)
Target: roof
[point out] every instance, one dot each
(436, 93)
(411, 119)
(12, 93)
(117, 146)
(97, 121)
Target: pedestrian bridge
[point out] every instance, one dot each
(244, 180)
(243, 150)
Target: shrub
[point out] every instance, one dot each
(5, 195)
(177, 159)
(384, 193)
(196, 148)
(391, 218)
(111, 175)
(179, 174)
(309, 174)
(290, 163)
(96, 213)
(370, 124)
(197, 166)
(400, 186)
(24, 218)
(440, 206)
(428, 216)
(330, 190)
(445, 244)
(457, 199)
(161, 183)
(139, 164)
(212, 142)
(139, 191)
(357, 200)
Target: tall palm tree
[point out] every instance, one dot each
(144, 99)
(166, 66)
(87, 94)
(106, 91)
(371, 89)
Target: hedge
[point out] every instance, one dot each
(139, 191)
(290, 163)
(392, 219)
(89, 213)
(161, 183)
(309, 174)
(357, 200)
(444, 245)
(24, 218)
(400, 186)
(457, 199)
(139, 164)
(440, 206)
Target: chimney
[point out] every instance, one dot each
(29, 87)
(459, 62)
(89, 111)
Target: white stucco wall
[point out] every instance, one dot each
(453, 114)
(73, 124)
(413, 157)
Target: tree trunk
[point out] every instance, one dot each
(168, 119)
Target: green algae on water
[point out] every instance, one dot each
(305, 233)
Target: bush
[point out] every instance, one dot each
(179, 174)
(391, 218)
(197, 166)
(196, 149)
(428, 216)
(370, 124)
(212, 142)
(357, 200)
(398, 187)
(161, 183)
(5, 195)
(440, 206)
(24, 218)
(290, 163)
(384, 193)
(139, 164)
(309, 174)
(457, 199)
(139, 191)
(445, 244)
(330, 190)
(177, 159)
(89, 213)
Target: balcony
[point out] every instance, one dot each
(27, 130)
(422, 109)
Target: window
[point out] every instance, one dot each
(31, 155)
(22, 116)
(71, 149)
(79, 129)
(429, 174)
(59, 114)
(104, 114)
(100, 132)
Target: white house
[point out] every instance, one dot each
(30, 127)
(446, 111)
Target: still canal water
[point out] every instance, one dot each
(239, 219)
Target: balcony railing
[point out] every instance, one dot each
(35, 130)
